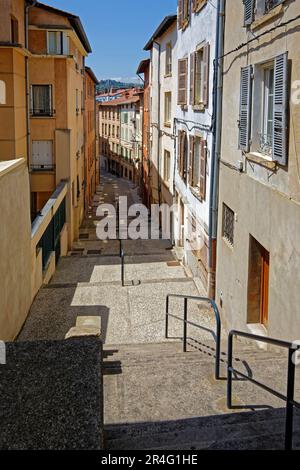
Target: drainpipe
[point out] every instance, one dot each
(27, 7)
(158, 125)
(216, 148)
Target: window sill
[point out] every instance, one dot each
(167, 124)
(197, 195)
(198, 107)
(168, 75)
(262, 160)
(227, 243)
(267, 17)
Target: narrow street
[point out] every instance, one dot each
(88, 283)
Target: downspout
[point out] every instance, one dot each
(216, 148)
(85, 138)
(158, 126)
(143, 139)
(27, 7)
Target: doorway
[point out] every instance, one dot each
(258, 283)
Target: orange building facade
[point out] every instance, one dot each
(144, 69)
(92, 167)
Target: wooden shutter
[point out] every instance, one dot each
(198, 4)
(180, 152)
(205, 79)
(182, 81)
(203, 158)
(280, 120)
(191, 160)
(192, 77)
(248, 12)
(180, 13)
(245, 108)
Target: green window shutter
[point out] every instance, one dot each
(248, 12)
(245, 108)
(280, 127)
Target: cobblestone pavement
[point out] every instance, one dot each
(88, 283)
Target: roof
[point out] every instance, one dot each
(144, 64)
(163, 27)
(129, 97)
(74, 21)
(92, 75)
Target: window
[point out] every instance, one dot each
(183, 13)
(266, 141)
(169, 59)
(182, 81)
(58, 43)
(2, 92)
(14, 30)
(264, 88)
(199, 76)
(198, 165)
(254, 9)
(41, 100)
(167, 163)
(42, 155)
(183, 155)
(228, 224)
(77, 101)
(168, 109)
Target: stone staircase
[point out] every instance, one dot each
(158, 398)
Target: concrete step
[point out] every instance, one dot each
(204, 433)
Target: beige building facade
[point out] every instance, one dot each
(258, 255)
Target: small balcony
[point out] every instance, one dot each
(42, 112)
(42, 168)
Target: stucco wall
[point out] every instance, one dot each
(265, 202)
(15, 252)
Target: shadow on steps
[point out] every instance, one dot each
(260, 430)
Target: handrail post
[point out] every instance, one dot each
(122, 268)
(185, 325)
(229, 372)
(218, 341)
(289, 403)
(167, 318)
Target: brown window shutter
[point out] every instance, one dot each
(180, 13)
(182, 81)
(179, 152)
(198, 4)
(192, 77)
(206, 60)
(203, 156)
(191, 162)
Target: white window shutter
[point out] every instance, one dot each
(245, 108)
(248, 12)
(65, 44)
(280, 131)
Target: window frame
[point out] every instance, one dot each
(168, 109)
(169, 60)
(228, 237)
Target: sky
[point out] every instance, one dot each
(118, 31)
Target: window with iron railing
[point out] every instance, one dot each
(41, 100)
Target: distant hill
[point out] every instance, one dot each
(106, 85)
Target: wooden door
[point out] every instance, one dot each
(264, 296)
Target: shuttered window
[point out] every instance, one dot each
(280, 150)
(198, 165)
(183, 13)
(182, 81)
(199, 76)
(245, 108)
(182, 155)
(248, 12)
(42, 155)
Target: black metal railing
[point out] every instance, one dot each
(47, 167)
(42, 112)
(288, 398)
(186, 322)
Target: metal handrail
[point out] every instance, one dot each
(186, 322)
(288, 398)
